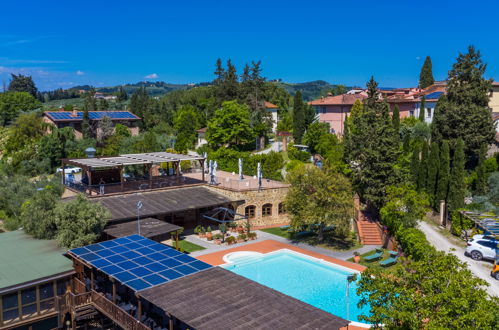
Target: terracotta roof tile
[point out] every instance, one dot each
(343, 99)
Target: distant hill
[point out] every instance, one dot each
(156, 88)
(309, 90)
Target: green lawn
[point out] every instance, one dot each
(331, 243)
(188, 247)
(375, 264)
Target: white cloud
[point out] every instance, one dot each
(80, 73)
(152, 76)
(418, 58)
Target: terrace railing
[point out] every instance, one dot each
(73, 302)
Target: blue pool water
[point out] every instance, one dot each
(321, 285)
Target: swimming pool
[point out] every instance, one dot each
(318, 283)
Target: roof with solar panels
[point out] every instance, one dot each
(77, 116)
(138, 262)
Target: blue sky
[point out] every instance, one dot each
(65, 43)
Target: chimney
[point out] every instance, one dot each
(75, 113)
(61, 108)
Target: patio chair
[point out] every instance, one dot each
(390, 261)
(375, 256)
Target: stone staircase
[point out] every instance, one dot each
(369, 231)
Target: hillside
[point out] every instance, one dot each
(153, 88)
(309, 90)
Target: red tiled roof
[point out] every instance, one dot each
(343, 99)
(269, 105)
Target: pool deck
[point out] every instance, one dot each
(266, 246)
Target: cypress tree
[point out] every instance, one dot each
(415, 162)
(457, 188)
(85, 125)
(298, 117)
(481, 175)
(422, 108)
(426, 75)
(433, 165)
(423, 168)
(443, 173)
(346, 140)
(396, 118)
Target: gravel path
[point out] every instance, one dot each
(481, 269)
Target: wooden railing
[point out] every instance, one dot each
(104, 305)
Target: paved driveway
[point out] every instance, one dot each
(481, 269)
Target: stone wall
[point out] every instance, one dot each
(274, 196)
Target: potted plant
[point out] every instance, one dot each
(241, 238)
(222, 227)
(217, 239)
(202, 232)
(240, 229)
(198, 230)
(251, 235)
(230, 240)
(209, 235)
(356, 257)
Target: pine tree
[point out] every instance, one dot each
(481, 175)
(346, 140)
(443, 173)
(396, 118)
(415, 163)
(422, 109)
(219, 72)
(457, 188)
(20, 83)
(122, 95)
(298, 117)
(433, 165)
(464, 113)
(423, 168)
(426, 75)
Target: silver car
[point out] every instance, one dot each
(481, 248)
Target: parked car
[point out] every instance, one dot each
(495, 269)
(485, 237)
(69, 169)
(479, 249)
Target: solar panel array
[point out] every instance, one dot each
(434, 95)
(93, 115)
(138, 262)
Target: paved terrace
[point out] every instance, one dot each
(231, 181)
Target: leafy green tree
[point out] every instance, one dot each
(20, 83)
(105, 128)
(112, 144)
(329, 200)
(464, 113)
(422, 109)
(37, 215)
(337, 90)
(432, 180)
(423, 168)
(481, 173)
(426, 75)
(59, 144)
(313, 135)
(404, 207)
(330, 147)
(13, 103)
(103, 104)
(185, 123)
(443, 172)
(230, 126)
(90, 103)
(374, 149)
(80, 222)
(351, 130)
(457, 186)
(428, 294)
(299, 124)
(139, 104)
(28, 129)
(396, 118)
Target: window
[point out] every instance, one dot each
(323, 109)
(266, 210)
(281, 208)
(249, 211)
(411, 113)
(428, 112)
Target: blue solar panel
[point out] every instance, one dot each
(138, 262)
(93, 115)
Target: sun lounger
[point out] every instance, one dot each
(390, 261)
(375, 256)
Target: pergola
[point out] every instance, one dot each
(224, 215)
(145, 159)
(488, 222)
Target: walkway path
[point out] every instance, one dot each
(261, 236)
(481, 269)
